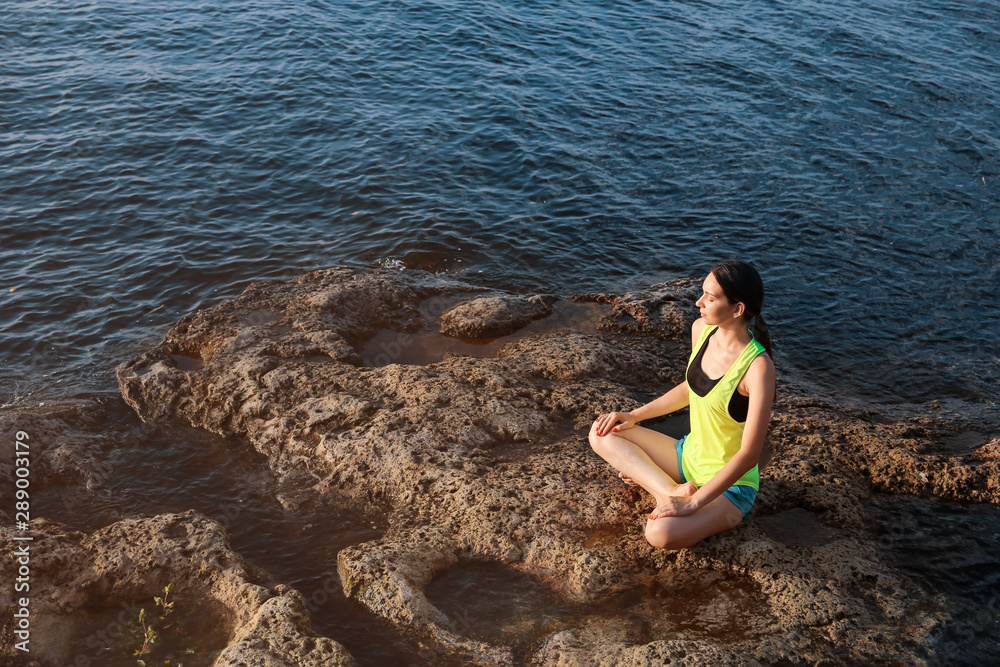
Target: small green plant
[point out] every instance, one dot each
(163, 607)
(149, 637)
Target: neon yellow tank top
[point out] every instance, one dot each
(715, 436)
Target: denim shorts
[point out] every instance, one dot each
(740, 495)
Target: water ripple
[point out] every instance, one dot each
(157, 158)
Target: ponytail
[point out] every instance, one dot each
(761, 333)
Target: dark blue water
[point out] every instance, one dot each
(156, 157)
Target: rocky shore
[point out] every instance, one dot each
(484, 459)
(111, 574)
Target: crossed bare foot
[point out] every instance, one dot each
(684, 490)
(625, 478)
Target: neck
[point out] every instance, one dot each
(734, 333)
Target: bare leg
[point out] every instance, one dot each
(646, 457)
(678, 532)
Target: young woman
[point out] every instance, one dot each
(707, 481)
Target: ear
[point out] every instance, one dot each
(740, 309)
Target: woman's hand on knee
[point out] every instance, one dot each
(614, 421)
(674, 506)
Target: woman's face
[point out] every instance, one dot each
(715, 307)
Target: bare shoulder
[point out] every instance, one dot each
(761, 371)
(696, 329)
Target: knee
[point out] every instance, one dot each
(604, 445)
(659, 535)
(596, 441)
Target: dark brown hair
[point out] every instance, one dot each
(741, 283)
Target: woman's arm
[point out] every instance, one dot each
(760, 379)
(676, 398)
(673, 400)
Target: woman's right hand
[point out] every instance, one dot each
(615, 421)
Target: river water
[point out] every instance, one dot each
(155, 158)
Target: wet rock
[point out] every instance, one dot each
(665, 311)
(572, 357)
(279, 633)
(989, 452)
(902, 456)
(486, 459)
(389, 576)
(71, 451)
(494, 316)
(114, 572)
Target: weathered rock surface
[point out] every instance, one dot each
(493, 316)
(114, 572)
(280, 634)
(72, 451)
(487, 459)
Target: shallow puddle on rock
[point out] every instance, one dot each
(500, 605)
(797, 527)
(229, 482)
(704, 604)
(188, 362)
(192, 634)
(519, 451)
(573, 315)
(497, 604)
(430, 345)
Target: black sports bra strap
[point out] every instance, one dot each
(699, 382)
